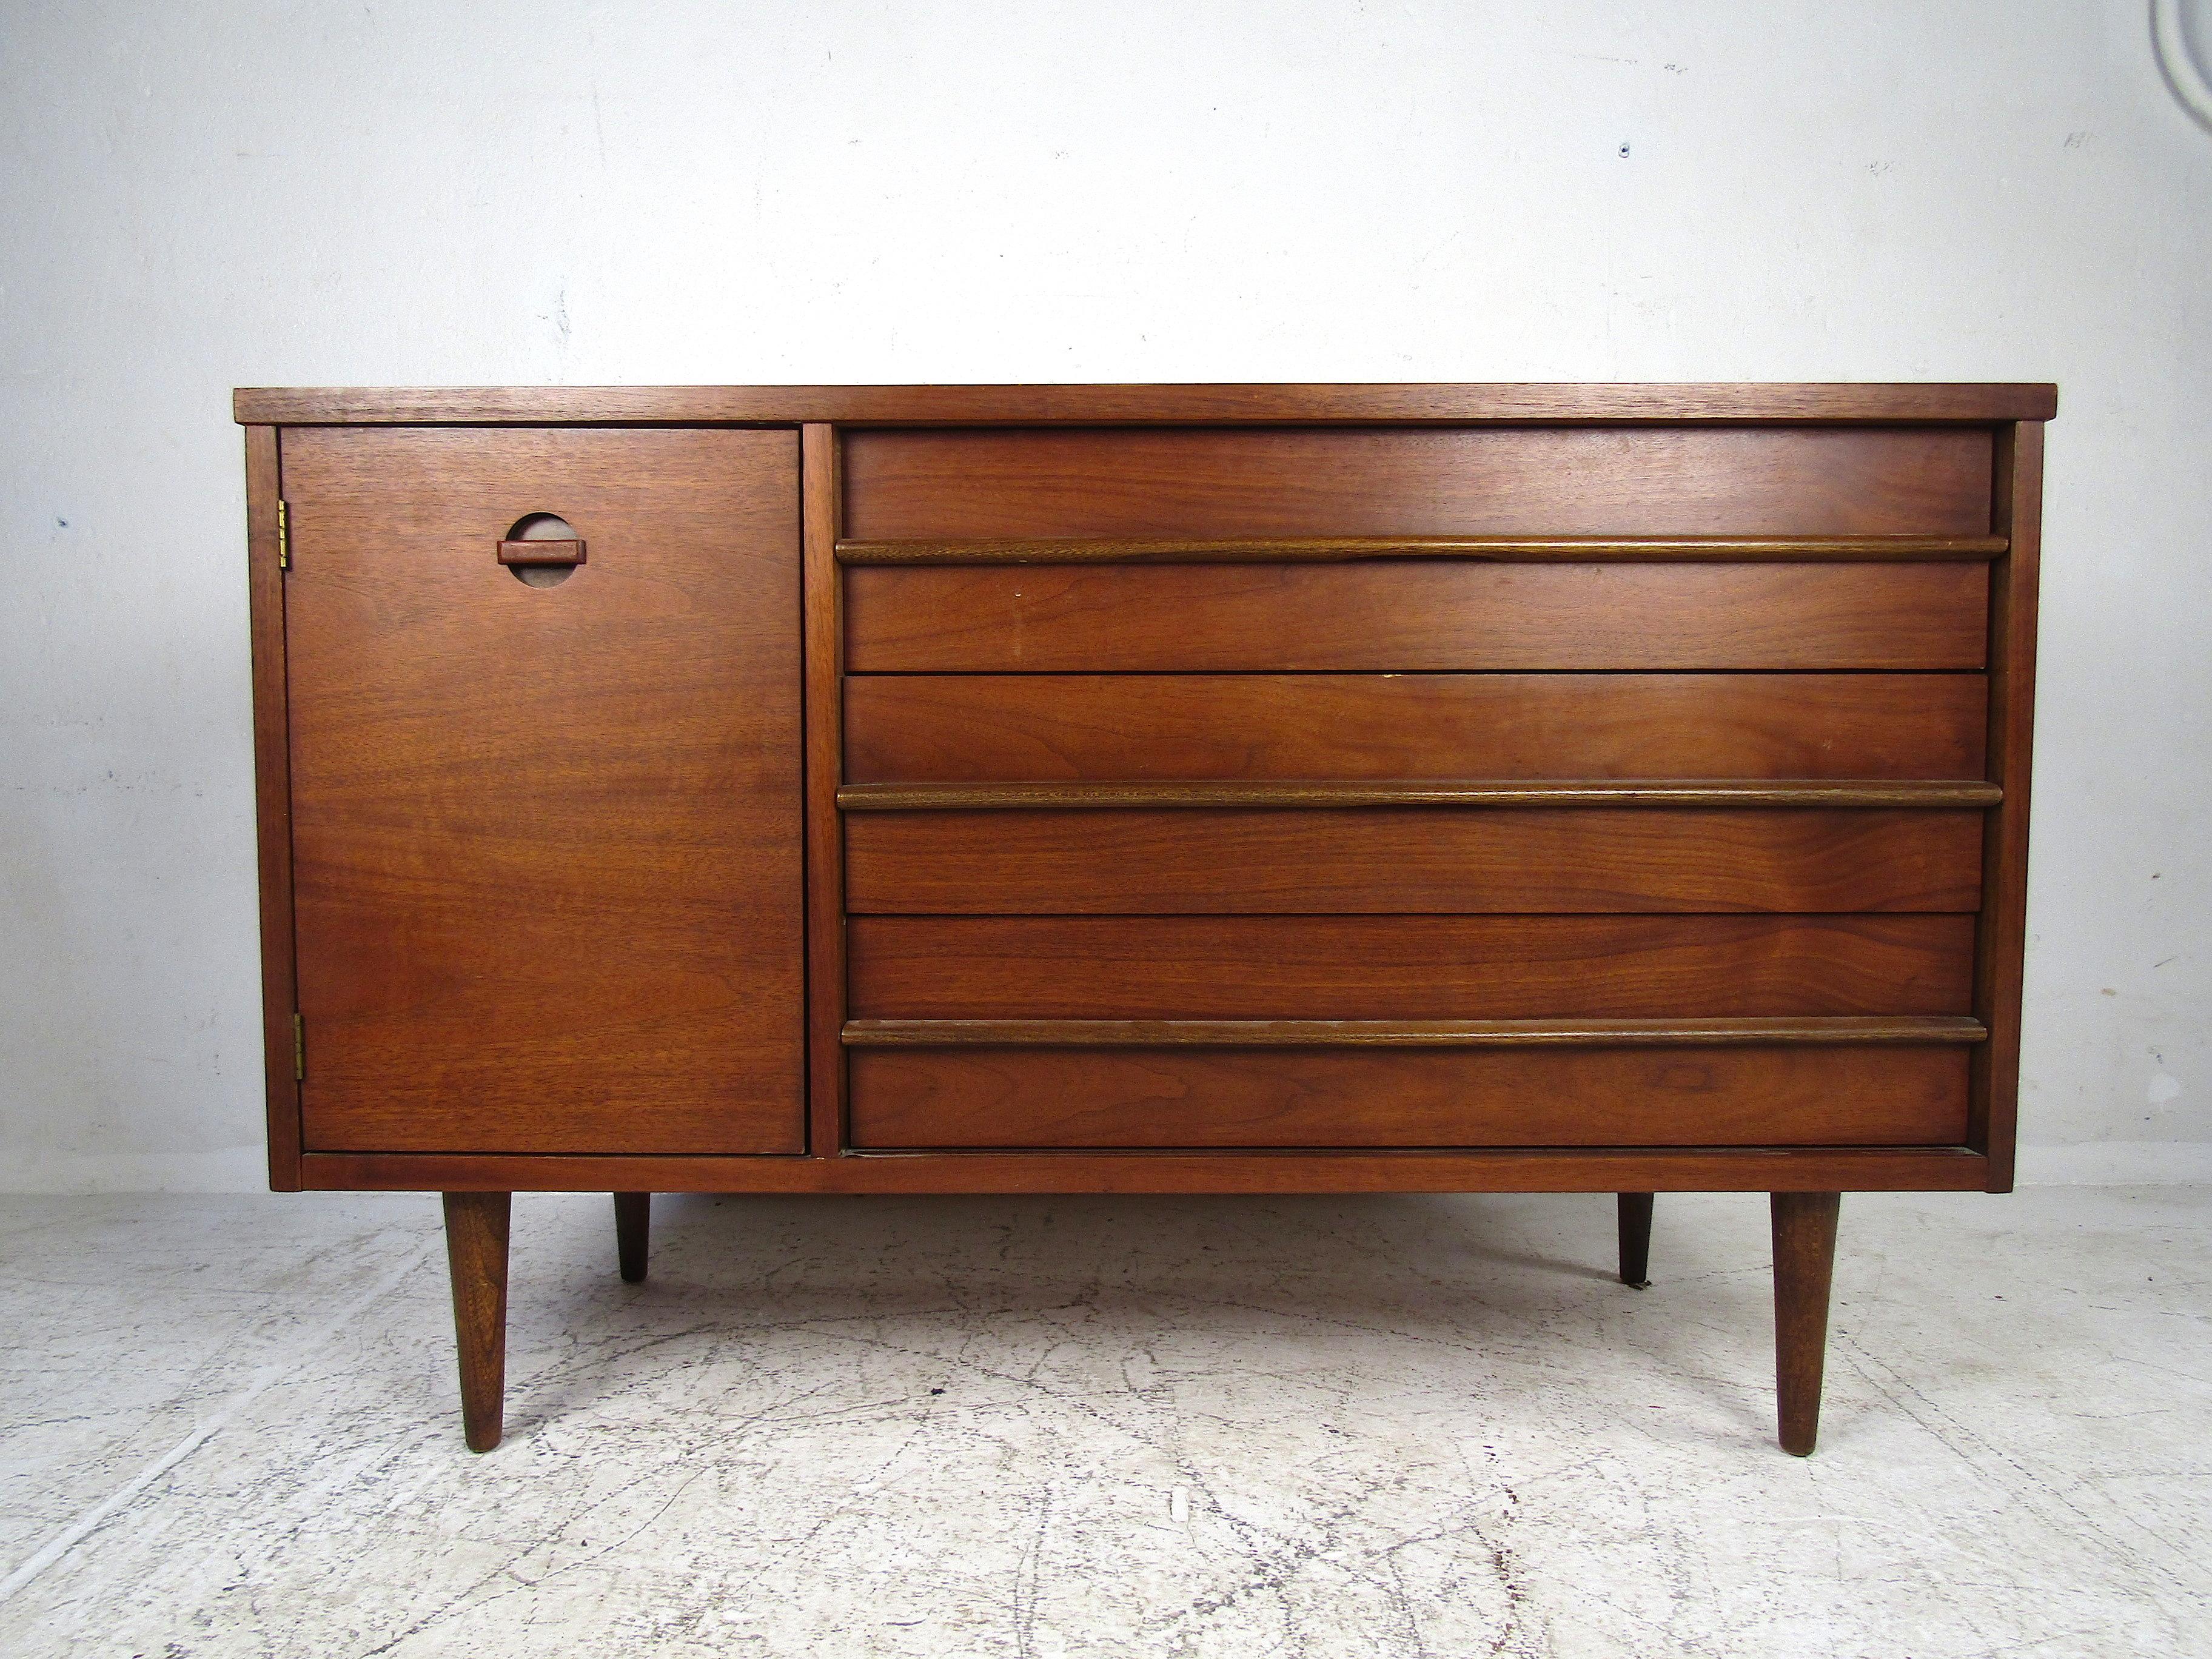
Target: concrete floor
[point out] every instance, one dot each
(1380, 1426)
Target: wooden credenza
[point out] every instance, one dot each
(1186, 789)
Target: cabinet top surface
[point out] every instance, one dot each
(1288, 404)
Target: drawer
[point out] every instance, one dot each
(1413, 616)
(953, 727)
(1126, 1098)
(1470, 861)
(1406, 967)
(1553, 480)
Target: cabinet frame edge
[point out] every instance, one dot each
(1319, 1170)
(2001, 933)
(273, 801)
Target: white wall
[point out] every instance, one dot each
(199, 196)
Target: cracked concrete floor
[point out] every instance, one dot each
(1046, 1426)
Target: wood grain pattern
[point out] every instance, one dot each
(1558, 1169)
(951, 728)
(825, 832)
(1534, 1096)
(1407, 967)
(476, 1226)
(1706, 1032)
(549, 549)
(1413, 859)
(272, 806)
(930, 405)
(1375, 481)
(1409, 617)
(548, 865)
(988, 728)
(1306, 967)
(1335, 793)
(2003, 940)
(1336, 549)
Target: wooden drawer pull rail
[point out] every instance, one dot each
(1078, 796)
(562, 550)
(1401, 1033)
(1326, 550)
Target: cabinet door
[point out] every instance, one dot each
(546, 833)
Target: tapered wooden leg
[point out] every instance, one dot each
(1804, 1263)
(1635, 1239)
(633, 1226)
(476, 1250)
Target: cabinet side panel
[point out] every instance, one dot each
(273, 801)
(2003, 940)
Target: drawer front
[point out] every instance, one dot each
(1388, 859)
(1413, 616)
(1407, 967)
(1649, 480)
(546, 838)
(986, 727)
(1136, 615)
(1102, 1098)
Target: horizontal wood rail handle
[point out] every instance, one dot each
(548, 551)
(1402, 1033)
(1539, 792)
(1321, 550)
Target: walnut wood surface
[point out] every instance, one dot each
(1860, 538)
(1335, 549)
(1804, 1265)
(1413, 859)
(825, 834)
(547, 839)
(988, 728)
(1509, 1097)
(1541, 481)
(476, 1254)
(272, 804)
(1403, 1033)
(565, 550)
(929, 405)
(1407, 967)
(1412, 618)
(1437, 792)
(2003, 940)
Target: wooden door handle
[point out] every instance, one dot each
(549, 552)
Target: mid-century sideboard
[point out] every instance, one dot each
(1144, 789)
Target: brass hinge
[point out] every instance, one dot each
(298, 1048)
(283, 535)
